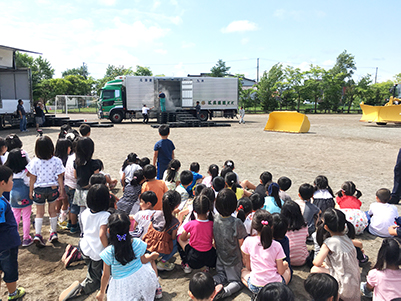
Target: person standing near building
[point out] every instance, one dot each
(145, 113)
(162, 98)
(241, 115)
(21, 113)
(197, 108)
(39, 115)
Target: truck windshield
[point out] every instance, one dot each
(107, 94)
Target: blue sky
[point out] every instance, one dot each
(176, 38)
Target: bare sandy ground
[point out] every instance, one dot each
(338, 146)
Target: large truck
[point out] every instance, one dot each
(124, 97)
(15, 84)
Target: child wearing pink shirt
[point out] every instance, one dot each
(385, 277)
(263, 256)
(198, 251)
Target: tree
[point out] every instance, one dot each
(41, 69)
(397, 78)
(267, 87)
(142, 71)
(293, 83)
(313, 86)
(111, 73)
(345, 65)
(79, 85)
(380, 93)
(82, 71)
(220, 69)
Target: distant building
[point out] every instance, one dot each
(246, 82)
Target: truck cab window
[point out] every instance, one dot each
(107, 94)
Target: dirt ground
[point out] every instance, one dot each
(337, 146)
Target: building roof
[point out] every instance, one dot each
(17, 49)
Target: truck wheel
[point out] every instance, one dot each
(116, 117)
(203, 115)
(381, 123)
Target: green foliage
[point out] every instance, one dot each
(82, 71)
(268, 87)
(142, 71)
(220, 69)
(380, 93)
(397, 78)
(248, 98)
(111, 73)
(41, 69)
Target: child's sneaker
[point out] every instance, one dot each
(364, 290)
(71, 257)
(165, 266)
(73, 290)
(39, 241)
(187, 269)
(53, 237)
(27, 242)
(62, 225)
(159, 292)
(67, 252)
(19, 293)
(74, 229)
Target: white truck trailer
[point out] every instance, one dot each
(124, 97)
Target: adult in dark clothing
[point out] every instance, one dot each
(39, 114)
(21, 113)
(197, 108)
(395, 195)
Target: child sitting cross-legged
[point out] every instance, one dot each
(133, 277)
(230, 232)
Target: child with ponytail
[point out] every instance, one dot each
(231, 182)
(273, 203)
(129, 203)
(337, 255)
(196, 240)
(213, 172)
(384, 279)
(126, 270)
(263, 256)
(171, 175)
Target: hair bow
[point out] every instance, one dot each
(121, 237)
(23, 154)
(264, 223)
(240, 207)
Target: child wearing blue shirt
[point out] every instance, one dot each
(163, 151)
(9, 238)
(194, 168)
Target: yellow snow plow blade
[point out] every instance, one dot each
(287, 121)
(390, 112)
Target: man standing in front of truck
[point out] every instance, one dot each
(162, 98)
(21, 113)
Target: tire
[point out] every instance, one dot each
(381, 123)
(203, 115)
(116, 117)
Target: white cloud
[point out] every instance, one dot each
(279, 13)
(304, 66)
(188, 45)
(175, 20)
(328, 63)
(161, 51)
(107, 2)
(156, 4)
(244, 41)
(240, 26)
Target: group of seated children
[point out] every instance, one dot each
(252, 235)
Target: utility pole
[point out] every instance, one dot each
(376, 75)
(257, 71)
(84, 69)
